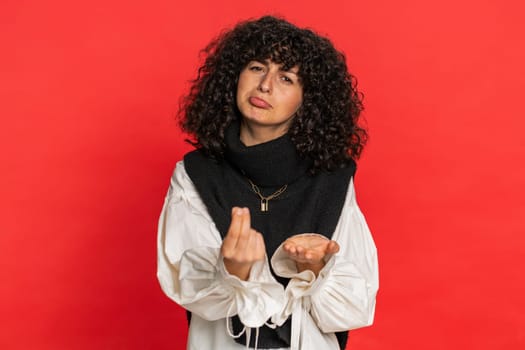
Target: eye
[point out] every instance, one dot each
(255, 68)
(286, 79)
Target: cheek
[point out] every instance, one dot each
(297, 101)
(240, 91)
(241, 83)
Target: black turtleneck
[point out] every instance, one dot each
(269, 164)
(310, 203)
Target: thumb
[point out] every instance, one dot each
(332, 248)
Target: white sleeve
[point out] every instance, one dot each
(342, 296)
(191, 271)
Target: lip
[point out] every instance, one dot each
(259, 102)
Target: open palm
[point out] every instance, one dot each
(309, 248)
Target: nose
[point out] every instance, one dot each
(265, 85)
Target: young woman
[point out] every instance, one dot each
(260, 237)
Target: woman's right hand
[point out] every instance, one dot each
(242, 245)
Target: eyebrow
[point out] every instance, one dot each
(291, 71)
(267, 62)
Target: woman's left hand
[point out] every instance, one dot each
(309, 251)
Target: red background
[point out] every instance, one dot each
(88, 91)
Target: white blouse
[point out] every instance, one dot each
(191, 272)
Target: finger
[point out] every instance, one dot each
(302, 254)
(289, 248)
(244, 230)
(246, 248)
(252, 251)
(246, 221)
(230, 241)
(308, 256)
(291, 251)
(236, 222)
(312, 256)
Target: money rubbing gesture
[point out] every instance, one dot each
(242, 245)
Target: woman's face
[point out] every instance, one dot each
(268, 96)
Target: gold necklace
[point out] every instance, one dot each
(264, 200)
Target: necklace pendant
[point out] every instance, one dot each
(264, 205)
(265, 200)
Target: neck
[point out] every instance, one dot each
(273, 163)
(252, 135)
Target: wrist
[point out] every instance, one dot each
(241, 270)
(314, 267)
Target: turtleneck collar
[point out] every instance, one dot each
(270, 164)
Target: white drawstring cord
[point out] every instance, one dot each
(230, 331)
(270, 325)
(256, 337)
(248, 333)
(248, 336)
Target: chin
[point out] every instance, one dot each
(254, 117)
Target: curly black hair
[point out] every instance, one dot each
(326, 127)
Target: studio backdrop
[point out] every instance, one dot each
(88, 97)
